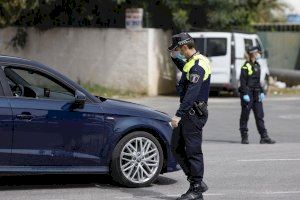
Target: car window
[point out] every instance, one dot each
(1, 90)
(29, 83)
(216, 47)
(248, 43)
(2, 77)
(260, 46)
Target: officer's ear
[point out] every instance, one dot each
(184, 47)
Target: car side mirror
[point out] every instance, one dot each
(80, 99)
(266, 54)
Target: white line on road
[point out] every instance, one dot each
(284, 192)
(267, 160)
(172, 195)
(208, 194)
(211, 194)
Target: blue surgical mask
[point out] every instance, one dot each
(258, 56)
(180, 56)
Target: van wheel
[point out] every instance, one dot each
(137, 160)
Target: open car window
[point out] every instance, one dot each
(34, 84)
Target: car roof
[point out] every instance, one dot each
(23, 61)
(19, 60)
(217, 33)
(7, 57)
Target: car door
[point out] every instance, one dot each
(6, 125)
(48, 129)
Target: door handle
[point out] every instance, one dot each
(25, 116)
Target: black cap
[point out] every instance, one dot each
(253, 49)
(179, 40)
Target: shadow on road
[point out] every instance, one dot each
(222, 141)
(29, 182)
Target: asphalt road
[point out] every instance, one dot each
(232, 171)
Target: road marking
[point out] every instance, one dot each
(211, 194)
(208, 194)
(172, 195)
(284, 192)
(291, 116)
(267, 160)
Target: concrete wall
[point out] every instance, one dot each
(116, 58)
(284, 49)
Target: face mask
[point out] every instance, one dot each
(258, 56)
(179, 55)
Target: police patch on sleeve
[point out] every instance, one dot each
(194, 78)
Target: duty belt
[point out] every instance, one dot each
(198, 108)
(255, 89)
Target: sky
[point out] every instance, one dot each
(295, 6)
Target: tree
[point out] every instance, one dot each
(11, 10)
(167, 14)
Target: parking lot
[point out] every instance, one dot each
(232, 171)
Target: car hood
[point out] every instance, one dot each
(118, 107)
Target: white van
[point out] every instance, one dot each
(226, 52)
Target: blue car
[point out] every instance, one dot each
(50, 124)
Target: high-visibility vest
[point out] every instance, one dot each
(248, 67)
(203, 62)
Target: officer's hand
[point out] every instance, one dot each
(246, 98)
(175, 121)
(261, 97)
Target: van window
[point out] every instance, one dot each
(216, 47)
(211, 46)
(248, 43)
(199, 43)
(258, 44)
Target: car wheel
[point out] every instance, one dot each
(137, 160)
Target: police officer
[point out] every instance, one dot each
(192, 114)
(252, 96)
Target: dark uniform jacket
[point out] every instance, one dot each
(250, 78)
(191, 90)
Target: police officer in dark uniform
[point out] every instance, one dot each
(192, 114)
(252, 96)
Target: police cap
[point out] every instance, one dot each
(253, 49)
(179, 40)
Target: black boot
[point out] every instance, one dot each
(244, 138)
(267, 140)
(194, 192)
(203, 185)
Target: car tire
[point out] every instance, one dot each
(137, 160)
